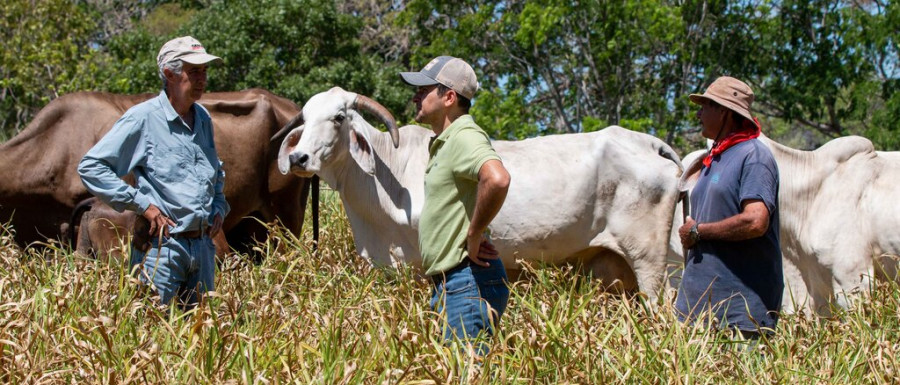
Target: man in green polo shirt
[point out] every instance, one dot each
(465, 186)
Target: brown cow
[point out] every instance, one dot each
(102, 231)
(39, 185)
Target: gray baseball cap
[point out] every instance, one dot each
(452, 72)
(186, 49)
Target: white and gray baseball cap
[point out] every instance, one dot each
(186, 49)
(452, 72)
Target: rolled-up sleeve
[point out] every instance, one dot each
(114, 156)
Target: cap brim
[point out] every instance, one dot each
(201, 58)
(417, 79)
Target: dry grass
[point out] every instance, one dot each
(331, 319)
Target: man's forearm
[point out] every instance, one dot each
(101, 181)
(493, 185)
(751, 223)
(490, 200)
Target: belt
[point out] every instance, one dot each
(439, 277)
(192, 234)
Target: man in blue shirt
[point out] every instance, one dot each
(167, 143)
(733, 266)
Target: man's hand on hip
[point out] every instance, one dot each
(159, 223)
(483, 250)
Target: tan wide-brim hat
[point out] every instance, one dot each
(730, 93)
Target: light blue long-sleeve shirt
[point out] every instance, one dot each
(176, 168)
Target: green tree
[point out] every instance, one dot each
(816, 73)
(293, 48)
(44, 52)
(882, 44)
(568, 66)
(821, 68)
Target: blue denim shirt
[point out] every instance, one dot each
(176, 169)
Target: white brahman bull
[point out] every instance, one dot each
(605, 199)
(839, 219)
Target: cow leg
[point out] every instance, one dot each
(221, 245)
(612, 270)
(807, 282)
(853, 272)
(513, 274)
(83, 246)
(796, 297)
(289, 205)
(887, 267)
(246, 234)
(650, 272)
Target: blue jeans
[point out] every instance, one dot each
(470, 298)
(179, 267)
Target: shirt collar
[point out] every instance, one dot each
(453, 128)
(171, 115)
(163, 99)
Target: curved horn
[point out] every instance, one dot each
(366, 104)
(297, 121)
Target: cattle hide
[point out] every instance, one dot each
(101, 232)
(604, 200)
(839, 220)
(39, 185)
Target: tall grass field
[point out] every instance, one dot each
(330, 318)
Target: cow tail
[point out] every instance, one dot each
(75, 220)
(315, 212)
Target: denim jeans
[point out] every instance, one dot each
(470, 299)
(179, 267)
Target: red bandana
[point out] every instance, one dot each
(750, 130)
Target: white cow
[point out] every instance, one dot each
(839, 219)
(604, 199)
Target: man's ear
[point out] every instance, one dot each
(361, 151)
(450, 98)
(168, 74)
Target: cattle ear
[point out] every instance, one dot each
(287, 146)
(361, 151)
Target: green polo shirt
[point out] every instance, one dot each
(451, 187)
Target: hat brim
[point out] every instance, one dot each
(201, 58)
(698, 99)
(417, 79)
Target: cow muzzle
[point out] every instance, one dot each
(297, 163)
(290, 160)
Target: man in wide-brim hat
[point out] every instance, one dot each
(733, 266)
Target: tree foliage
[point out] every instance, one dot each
(581, 65)
(293, 48)
(820, 68)
(44, 53)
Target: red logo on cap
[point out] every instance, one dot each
(196, 47)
